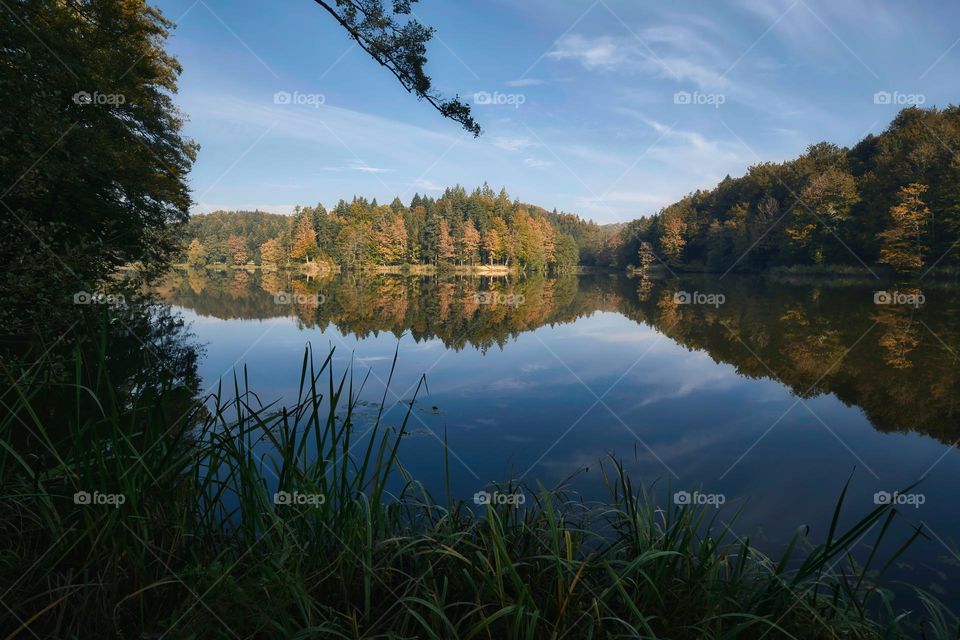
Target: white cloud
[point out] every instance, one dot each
(513, 144)
(536, 163)
(683, 55)
(428, 185)
(603, 52)
(358, 165)
(525, 82)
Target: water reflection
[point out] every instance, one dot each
(897, 363)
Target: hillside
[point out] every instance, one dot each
(893, 199)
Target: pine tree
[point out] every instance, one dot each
(904, 242)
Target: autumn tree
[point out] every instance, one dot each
(271, 254)
(492, 245)
(445, 247)
(196, 254)
(824, 205)
(646, 256)
(470, 242)
(390, 239)
(904, 242)
(237, 248)
(672, 237)
(304, 245)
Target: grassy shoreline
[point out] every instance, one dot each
(201, 545)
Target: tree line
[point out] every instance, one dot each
(458, 229)
(892, 199)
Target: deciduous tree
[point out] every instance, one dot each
(904, 242)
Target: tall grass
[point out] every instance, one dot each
(201, 549)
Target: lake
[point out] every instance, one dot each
(758, 394)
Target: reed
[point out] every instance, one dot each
(199, 547)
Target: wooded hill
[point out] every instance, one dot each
(480, 228)
(892, 199)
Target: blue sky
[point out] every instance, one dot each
(610, 109)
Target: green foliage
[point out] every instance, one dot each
(829, 206)
(200, 530)
(95, 162)
(197, 254)
(457, 228)
(255, 227)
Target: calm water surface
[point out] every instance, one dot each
(769, 393)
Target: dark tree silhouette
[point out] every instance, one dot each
(401, 48)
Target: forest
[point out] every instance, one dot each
(892, 200)
(480, 228)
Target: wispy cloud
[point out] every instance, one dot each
(358, 165)
(427, 185)
(536, 163)
(525, 82)
(513, 144)
(671, 52)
